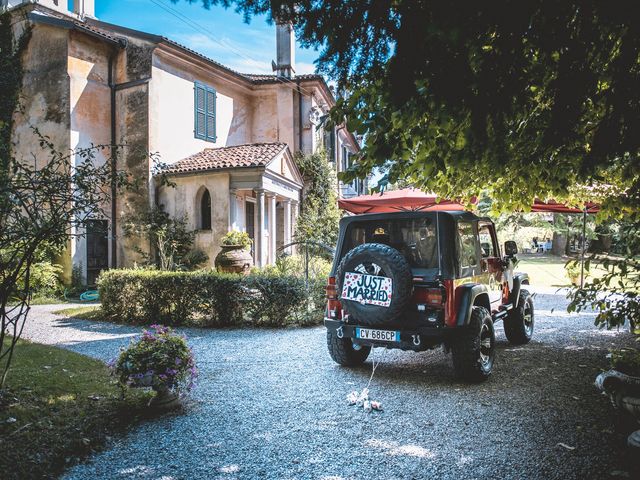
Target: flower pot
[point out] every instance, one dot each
(234, 259)
(165, 399)
(624, 392)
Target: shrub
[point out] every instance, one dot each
(159, 358)
(207, 298)
(626, 361)
(44, 280)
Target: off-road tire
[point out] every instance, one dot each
(467, 350)
(394, 265)
(519, 323)
(342, 350)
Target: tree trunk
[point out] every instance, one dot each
(559, 243)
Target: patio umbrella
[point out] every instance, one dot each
(552, 206)
(407, 200)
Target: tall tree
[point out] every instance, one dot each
(525, 99)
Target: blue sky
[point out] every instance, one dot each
(218, 33)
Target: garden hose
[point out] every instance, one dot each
(89, 296)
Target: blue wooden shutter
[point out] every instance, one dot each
(211, 114)
(200, 104)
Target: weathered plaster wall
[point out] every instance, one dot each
(88, 69)
(132, 132)
(182, 200)
(264, 125)
(44, 103)
(171, 121)
(45, 95)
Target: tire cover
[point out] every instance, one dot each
(382, 261)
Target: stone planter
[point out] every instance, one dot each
(165, 399)
(234, 259)
(624, 392)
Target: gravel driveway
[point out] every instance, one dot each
(271, 404)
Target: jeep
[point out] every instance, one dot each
(419, 280)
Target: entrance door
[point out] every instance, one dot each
(97, 249)
(249, 221)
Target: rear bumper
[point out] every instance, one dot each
(419, 338)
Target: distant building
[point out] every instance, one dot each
(228, 137)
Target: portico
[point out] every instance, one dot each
(253, 188)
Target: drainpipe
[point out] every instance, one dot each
(114, 161)
(299, 115)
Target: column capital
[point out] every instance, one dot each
(259, 191)
(270, 194)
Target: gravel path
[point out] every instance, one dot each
(271, 404)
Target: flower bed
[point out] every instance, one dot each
(209, 298)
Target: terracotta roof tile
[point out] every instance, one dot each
(239, 156)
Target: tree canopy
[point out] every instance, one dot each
(522, 99)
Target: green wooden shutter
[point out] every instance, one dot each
(200, 113)
(211, 114)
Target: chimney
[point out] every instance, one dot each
(84, 8)
(285, 50)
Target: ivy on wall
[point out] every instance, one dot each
(11, 73)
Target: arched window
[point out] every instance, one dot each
(205, 210)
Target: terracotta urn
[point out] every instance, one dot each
(234, 259)
(624, 392)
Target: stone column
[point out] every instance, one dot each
(233, 210)
(295, 211)
(273, 227)
(261, 259)
(288, 232)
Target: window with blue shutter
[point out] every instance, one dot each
(205, 112)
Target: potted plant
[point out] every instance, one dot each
(159, 359)
(622, 384)
(573, 270)
(235, 256)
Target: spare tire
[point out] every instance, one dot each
(383, 303)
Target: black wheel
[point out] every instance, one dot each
(518, 325)
(474, 351)
(380, 260)
(344, 352)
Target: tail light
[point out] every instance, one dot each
(334, 308)
(431, 297)
(332, 292)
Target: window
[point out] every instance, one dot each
(205, 112)
(415, 238)
(467, 243)
(205, 210)
(487, 246)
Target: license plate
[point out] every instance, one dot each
(367, 289)
(382, 335)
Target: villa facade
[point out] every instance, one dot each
(228, 138)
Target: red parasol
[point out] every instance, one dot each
(408, 199)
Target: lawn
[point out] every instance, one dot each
(57, 407)
(90, 312)
(548, 270)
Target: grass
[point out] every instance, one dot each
(90, 312)
(56, 408)
(548, 270)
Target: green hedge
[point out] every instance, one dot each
(209, 298)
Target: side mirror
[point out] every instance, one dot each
(510, 248)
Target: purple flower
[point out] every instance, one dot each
(178, 361)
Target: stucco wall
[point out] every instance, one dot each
(90, 104)
(132, 133)
(171, 121)
(44, 103)
(182, 200)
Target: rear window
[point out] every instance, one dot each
(414, 238)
